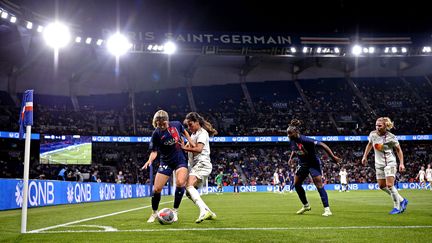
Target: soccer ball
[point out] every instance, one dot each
(165, 216)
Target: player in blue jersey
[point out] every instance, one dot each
(167, 142)
(235, 180)
(282, 181)
(290, 176)
(309, 163)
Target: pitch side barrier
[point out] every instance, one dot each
(49, 193)
(228, 139)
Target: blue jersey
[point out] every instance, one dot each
(168, 144)
(235, 177)
(281, 177)
(305, 149)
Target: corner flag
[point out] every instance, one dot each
(25, 122)
(26, 116)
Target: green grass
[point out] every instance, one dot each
(77, 155)
(247, 210)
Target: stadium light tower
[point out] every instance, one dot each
(56, 35)
(170, 48)
(118, 44)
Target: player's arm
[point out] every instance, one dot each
(401, 158)
(188, 137)
(150, 160)
(366, 152)
(290, 158)
(329, 151)
(198, 148)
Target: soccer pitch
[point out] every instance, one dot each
(358, 216)
(79, 154)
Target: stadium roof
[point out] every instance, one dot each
(84, 70)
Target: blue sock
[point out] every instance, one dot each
(155, 200)
(323, 195)
(178, 196)
(301, 193)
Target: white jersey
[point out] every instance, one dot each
(421, 175)
(383, 147)
(276, 178)
(200, 136)
(343, 177)
(429, 174)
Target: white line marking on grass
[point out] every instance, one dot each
(243, 229)
(105, 228)
(92, 218)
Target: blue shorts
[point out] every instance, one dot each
(235, 181)
(167, 169)
(303, 171)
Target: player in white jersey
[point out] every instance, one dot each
(421, 177)
(200, 165)
(343, 180)
(429, 176)
(383, 142)
(276, 182)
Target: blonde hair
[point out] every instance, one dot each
(387, 123)
(159, 117)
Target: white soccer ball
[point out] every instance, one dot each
(165, 216)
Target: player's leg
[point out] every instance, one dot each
(398, 201)
(317, 179)
(299, 178)
(160, 181)
(181, 179)
(205, 212)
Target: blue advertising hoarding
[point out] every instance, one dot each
(48, 193)
(229, 139)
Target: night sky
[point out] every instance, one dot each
(294, 17)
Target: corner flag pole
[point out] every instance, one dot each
(26, 120)
(26, 178)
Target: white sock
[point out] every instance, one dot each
(194, 194)
(327, 208)
(395, 196)
(385, 189)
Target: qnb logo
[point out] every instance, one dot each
(170, 142)
(70, 193)
(80, 192)
(140, 191)
(212, 189)
(353, 187)
(107, 192)
(248, 188)
(39, 193)
(337, 187)
(309, 187)
(373, 186)
(19, 194)
(269, 188)
(126, 191)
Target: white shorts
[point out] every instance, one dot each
(422, 179)
(429, 179)
(387, 171)
(344, 182)
(201, 170)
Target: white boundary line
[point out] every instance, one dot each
(241, 229)
(92, 218)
